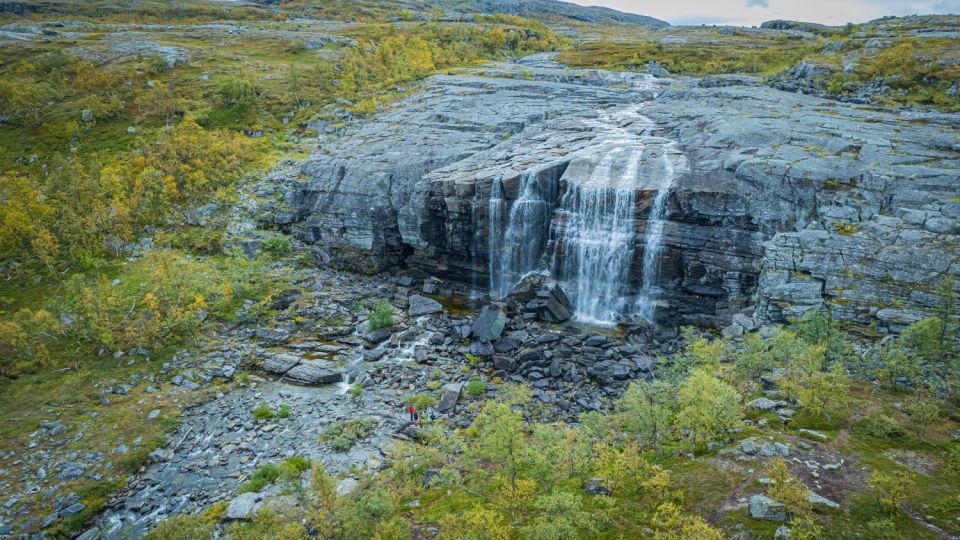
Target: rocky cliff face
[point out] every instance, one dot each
(784, 201)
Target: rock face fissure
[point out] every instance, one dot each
(653, 239)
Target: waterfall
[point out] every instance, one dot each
(598, 236)
(518, 250)
(495, 234)
(594, 235)
(653, 239)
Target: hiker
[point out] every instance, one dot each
(416, 418)
(413, 414)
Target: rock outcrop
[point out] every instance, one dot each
(785, 202)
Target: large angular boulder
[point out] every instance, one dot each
(451, 394)
(421, 305)
(490, 322)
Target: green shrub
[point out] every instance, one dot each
(183, 527)
(341, 443)
(292, 468)
(236, 92)
(879, 427)
(381, 316)
(420, 402)
(476, 387)
(265, 474)
(137, 457)
(343, 435)
(277, 245)
(262, 412)
(283, 411)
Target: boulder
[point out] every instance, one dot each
(765, 404)
(378, 336)
(451, 394)
(314, 373)
(421, 305)
(819, 500)
(542, 298)
(505, 363)
(481, 348)
(490, 322)
(347, 486)
(243, 507)
(279, 364)
(763, 507)
(596, 487)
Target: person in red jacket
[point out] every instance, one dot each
(412, 412)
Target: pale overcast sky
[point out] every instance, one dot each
(753, 12)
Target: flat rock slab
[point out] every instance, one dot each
(312, 372)
(279, 364)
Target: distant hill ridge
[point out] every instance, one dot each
(542, 8)
(551, 10)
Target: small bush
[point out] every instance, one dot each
(136, 458)
(283, 411)
(344, 434)
(476, 387)
(341, 443)
(262, 412)
(236, 93)
(879, 427)
(277, 245)
(290, 469)
(265, 474)
(381, 316)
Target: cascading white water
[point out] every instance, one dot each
(518, 250)
(653, 238)
(598, 236)
(495, 235)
